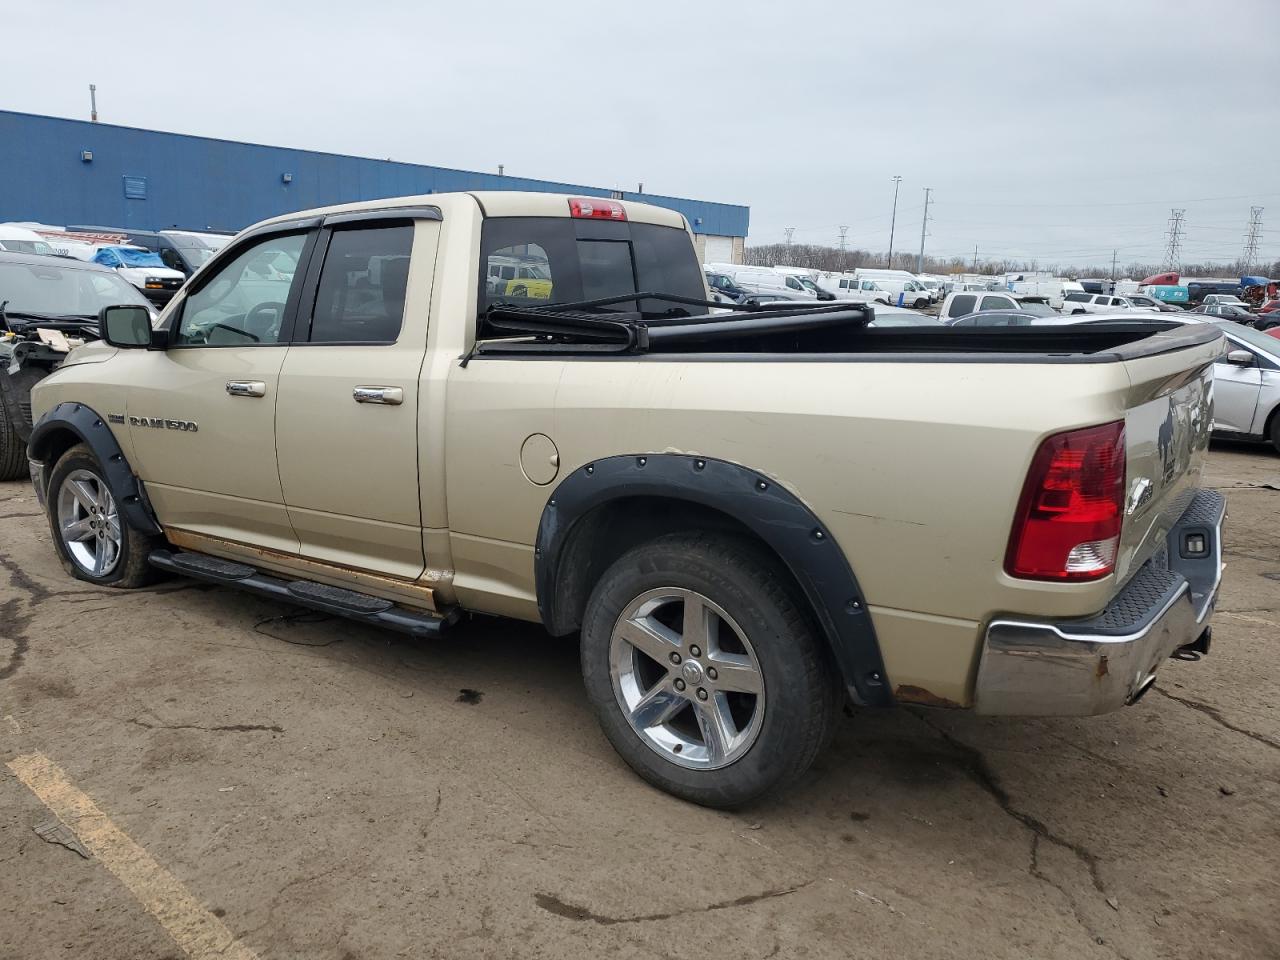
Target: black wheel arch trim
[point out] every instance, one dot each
(85, 423)
(772, 512)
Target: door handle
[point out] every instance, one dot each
(246, 388)
(393, 396)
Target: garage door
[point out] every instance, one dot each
(718, 250)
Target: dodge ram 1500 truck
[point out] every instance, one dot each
(749, 518)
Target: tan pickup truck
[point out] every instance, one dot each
(749, 517)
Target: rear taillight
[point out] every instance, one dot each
(590, 208)
(1072, 507)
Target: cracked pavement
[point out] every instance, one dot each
(333, 792)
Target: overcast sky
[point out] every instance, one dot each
(1054, 130)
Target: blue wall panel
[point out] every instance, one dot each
(201, 183)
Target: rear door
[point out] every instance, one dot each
(347, 416)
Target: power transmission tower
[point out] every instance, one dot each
(1173, 250)
(924, 222)
(843, 231)
(788, 231)
(1250, 257)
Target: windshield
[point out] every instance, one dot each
(808, 284)
(534, 261)
(62, 291)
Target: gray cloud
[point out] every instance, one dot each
(1050, 130)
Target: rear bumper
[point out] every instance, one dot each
(1084, 667)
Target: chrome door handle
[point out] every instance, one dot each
(393, 396)
(246, 388)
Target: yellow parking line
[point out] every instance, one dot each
(193, 928)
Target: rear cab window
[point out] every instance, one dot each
(537, 261)
(961, 305)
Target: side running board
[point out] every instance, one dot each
(306, 593)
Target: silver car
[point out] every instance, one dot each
(1246, 385)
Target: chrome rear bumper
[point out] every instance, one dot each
(1083, 667)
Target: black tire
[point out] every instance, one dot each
(1275, 429)
(131, 569)
(801, 682)
(13, 450)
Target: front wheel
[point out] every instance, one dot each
(705, 671)
(93, 542)
(1275, 430)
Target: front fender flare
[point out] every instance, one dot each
(768, 509)
(93, 431)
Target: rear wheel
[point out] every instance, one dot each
(1275, 429)
(93, 542)
(13, 452)
(920, 304)
(704, 671)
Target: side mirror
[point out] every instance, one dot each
(1240, 358)
(125, 326)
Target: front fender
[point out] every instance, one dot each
(773, 513)
(91, 429)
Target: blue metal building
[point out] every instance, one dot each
(60, 171)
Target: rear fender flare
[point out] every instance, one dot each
(769, 510)
(92, 429)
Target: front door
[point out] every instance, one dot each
(1235, 392)
(201, 414)
(347, 417)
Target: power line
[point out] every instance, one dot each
(1173, 250)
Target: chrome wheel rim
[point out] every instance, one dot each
(89, 523)
(686, 678)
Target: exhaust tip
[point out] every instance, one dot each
(1141, 692)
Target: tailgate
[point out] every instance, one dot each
(1167, 424)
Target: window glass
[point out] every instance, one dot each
(961, 305)
(1077, 297)
(532, 261)
(995, 303)
(62, 291)
(360, 297)
(794, 284)
(243, 303)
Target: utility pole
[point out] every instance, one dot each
(93, 103)
(1114, 254)
(923, 223)
(843, 230)
(893, 222)
(975, 258)
(1173, 250)
(1250, 257)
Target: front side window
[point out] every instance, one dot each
(794, 284)
(360, 297)
(243, 304)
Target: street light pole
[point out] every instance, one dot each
(894, 221)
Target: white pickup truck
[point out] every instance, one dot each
(746, 520)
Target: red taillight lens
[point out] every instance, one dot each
(1072, 507)
(590, 208)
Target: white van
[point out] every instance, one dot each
(906, 290)
(845, 286)
(15, 239)
(768, 280)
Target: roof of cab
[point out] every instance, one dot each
(493, 203)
